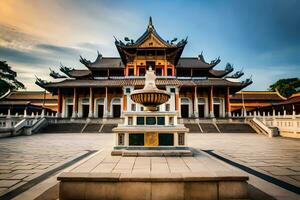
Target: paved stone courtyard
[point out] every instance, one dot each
(278, 157)
(26, 157)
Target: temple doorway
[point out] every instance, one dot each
(85, 111)
(201, 110)
(116, 111)
(69, 111)
(185, 106)
(184, 111)
(116, 108)
(217, 110)
(217, 106)
(100, 111)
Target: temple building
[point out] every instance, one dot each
(253, 100)
(103, 89)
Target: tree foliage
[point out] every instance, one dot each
(286, 87)
(8, 79)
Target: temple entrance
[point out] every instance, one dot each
(100, 111)
(184, 111)
(116, 111)
(201, 110)
(69, 111)
(116, 107)
(85, 111)
(217, 110)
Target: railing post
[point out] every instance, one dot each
(25, 113)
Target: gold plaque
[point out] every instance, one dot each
(151, 139)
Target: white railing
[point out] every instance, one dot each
(288, 125)
(22, 124)
(266, 129)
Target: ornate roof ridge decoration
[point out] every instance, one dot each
(40, 82)
(212, 63)
(237, 74)
(100, 59)
(88, 63)
(247, 82)
(55, 75)
(150, 30)
(128, 48)
(66, 70)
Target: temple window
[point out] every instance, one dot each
(158, 71)
(142, 71)
(169, 72)
(130, 120)
(167, 107)
(180, 138)
(150, 120)
(160, 120)
(130, 72)
(121, 137)
(133, 107)
(171, 120)
(127, 90)
(140, 121)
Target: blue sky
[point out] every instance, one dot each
(262, 37)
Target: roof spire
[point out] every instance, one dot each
(150, 25)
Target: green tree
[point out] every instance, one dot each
(286, 87)
(8, 81)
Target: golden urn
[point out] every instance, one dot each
(150, 96)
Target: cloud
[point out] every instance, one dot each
(19, 56)
(54, 49)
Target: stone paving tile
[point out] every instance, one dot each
(44, 150)
(23, 158)
(8, 183)
(278, 157)
(18, 176)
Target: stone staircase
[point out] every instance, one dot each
(107, 128)
(63, 128)
(235, 128)
(92, 128)
(209, 128)
(194, 128)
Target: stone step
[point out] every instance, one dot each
(107, 128)
(63, 128)
(139, 186)
(92, 128)
(194, 128)
(208, 128)
(235, 128)
(152, 153)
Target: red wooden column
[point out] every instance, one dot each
(124, 102)
(165, 70)
(177, 101)
(59, 103)
(211, 102)
(91, 103)
(227, 103)
(75, 104)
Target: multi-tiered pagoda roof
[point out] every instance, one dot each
(109, 71)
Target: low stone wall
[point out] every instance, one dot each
(152, 186)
